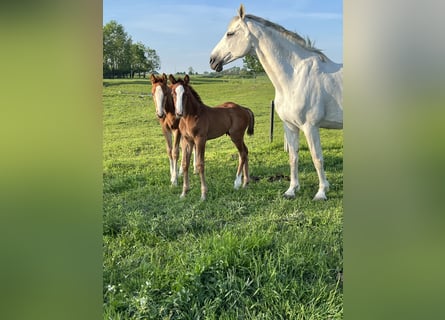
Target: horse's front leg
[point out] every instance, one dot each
(168, 139)
(293, 141)
(313, 139)
(195, 167)
(175, 155)
(186, 152)
(200, 144)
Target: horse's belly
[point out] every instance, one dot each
(326, 124)
(298, 113)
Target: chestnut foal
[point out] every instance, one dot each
(165, 111)
(200, 123)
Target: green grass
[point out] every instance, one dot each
(241, 254)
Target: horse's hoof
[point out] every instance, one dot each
(320, 196)
(289, 196)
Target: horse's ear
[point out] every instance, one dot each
(241, 11)
(172, 79)
(164, 78)
(186, 79)
(152, 78)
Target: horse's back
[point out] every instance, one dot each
(235, 111)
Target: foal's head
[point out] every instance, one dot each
(185, 98)
(160, 92)
(178, 87)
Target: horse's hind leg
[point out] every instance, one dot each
(293, 141)
(313, 139)
(243, 167)
(246, 167)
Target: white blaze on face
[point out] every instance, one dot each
(159, 98)
(179, 103)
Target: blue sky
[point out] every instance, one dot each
(183, 33)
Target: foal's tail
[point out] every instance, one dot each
(251, 122)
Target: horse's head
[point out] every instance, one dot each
(159, 91)
(178, 87)
(235, 44)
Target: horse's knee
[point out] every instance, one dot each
(200, 166)
(318, 163)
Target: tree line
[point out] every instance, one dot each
(122, 58)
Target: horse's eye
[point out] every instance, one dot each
(229, 34)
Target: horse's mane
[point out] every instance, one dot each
(293, 36)
(194, 93)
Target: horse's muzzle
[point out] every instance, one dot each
(217, 66)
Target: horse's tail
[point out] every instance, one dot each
(251, 122)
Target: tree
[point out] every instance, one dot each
(153, 62)
(116, 47)
(122, 57)
(139, 62)
(252, 64)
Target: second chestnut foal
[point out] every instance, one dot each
(200, 123)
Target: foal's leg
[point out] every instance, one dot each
(313, 140)
(168, 139)
(200, 144)
(293, 141)
(175, 155)
(246, 167)
(243, 166)
(195, 167)
(186, 152)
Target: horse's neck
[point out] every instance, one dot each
(169, 105)
(278, 55)
(193, 106)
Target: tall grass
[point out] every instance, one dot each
(241, 254)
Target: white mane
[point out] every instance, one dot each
(293, 36)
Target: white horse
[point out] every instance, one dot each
(308, 86)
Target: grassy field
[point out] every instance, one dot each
(245, 254)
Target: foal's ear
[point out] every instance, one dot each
(241, 11)
(152, 78)
(172, 79)
(186, 79)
